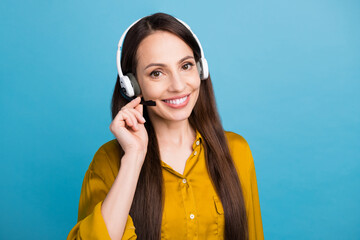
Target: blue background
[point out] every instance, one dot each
(286, 76)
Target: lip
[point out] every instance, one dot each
(180, 96)
(178, 105)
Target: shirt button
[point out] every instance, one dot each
(192, 216)
(197, 142)
(195, 153)
(184, 180)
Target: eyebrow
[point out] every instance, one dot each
(163, 65)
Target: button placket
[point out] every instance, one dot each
(190, 207)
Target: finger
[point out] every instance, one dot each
(119, 116)
(130, 105)
(133, 118)
(133, 103)
(127, 119)
(138, 116)
(140, 108)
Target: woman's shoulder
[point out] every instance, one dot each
(240, 151)
(236, 139)
(107, 158)
(237, 143)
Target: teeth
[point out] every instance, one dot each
(176, 101)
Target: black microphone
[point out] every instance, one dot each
(147, 103)
(143, 102)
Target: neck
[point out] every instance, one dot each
(174, 132)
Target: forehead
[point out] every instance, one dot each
(162, 47)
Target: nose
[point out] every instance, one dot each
(177, 83)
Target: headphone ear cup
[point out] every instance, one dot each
(199, 68)
(134, 84)
(205, 69)
(126, 86)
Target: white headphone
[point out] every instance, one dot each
(128, 82)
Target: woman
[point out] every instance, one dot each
(172, 172)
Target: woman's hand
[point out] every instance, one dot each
(128, 128)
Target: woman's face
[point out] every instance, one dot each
(167, 74)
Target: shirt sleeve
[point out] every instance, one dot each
(244, 163)
(253, 202)
(96, 185)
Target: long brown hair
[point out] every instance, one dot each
(147, 205)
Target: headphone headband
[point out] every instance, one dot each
(118, 53)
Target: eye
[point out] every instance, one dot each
(155, 74)
(187, 66)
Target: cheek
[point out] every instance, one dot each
(195, 80)
(196, 90)
(196, 84)
(150, 91)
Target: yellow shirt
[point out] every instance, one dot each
(192, 208)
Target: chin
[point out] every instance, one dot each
(180, 117)
(172, 116)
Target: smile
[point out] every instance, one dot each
(177, 102)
